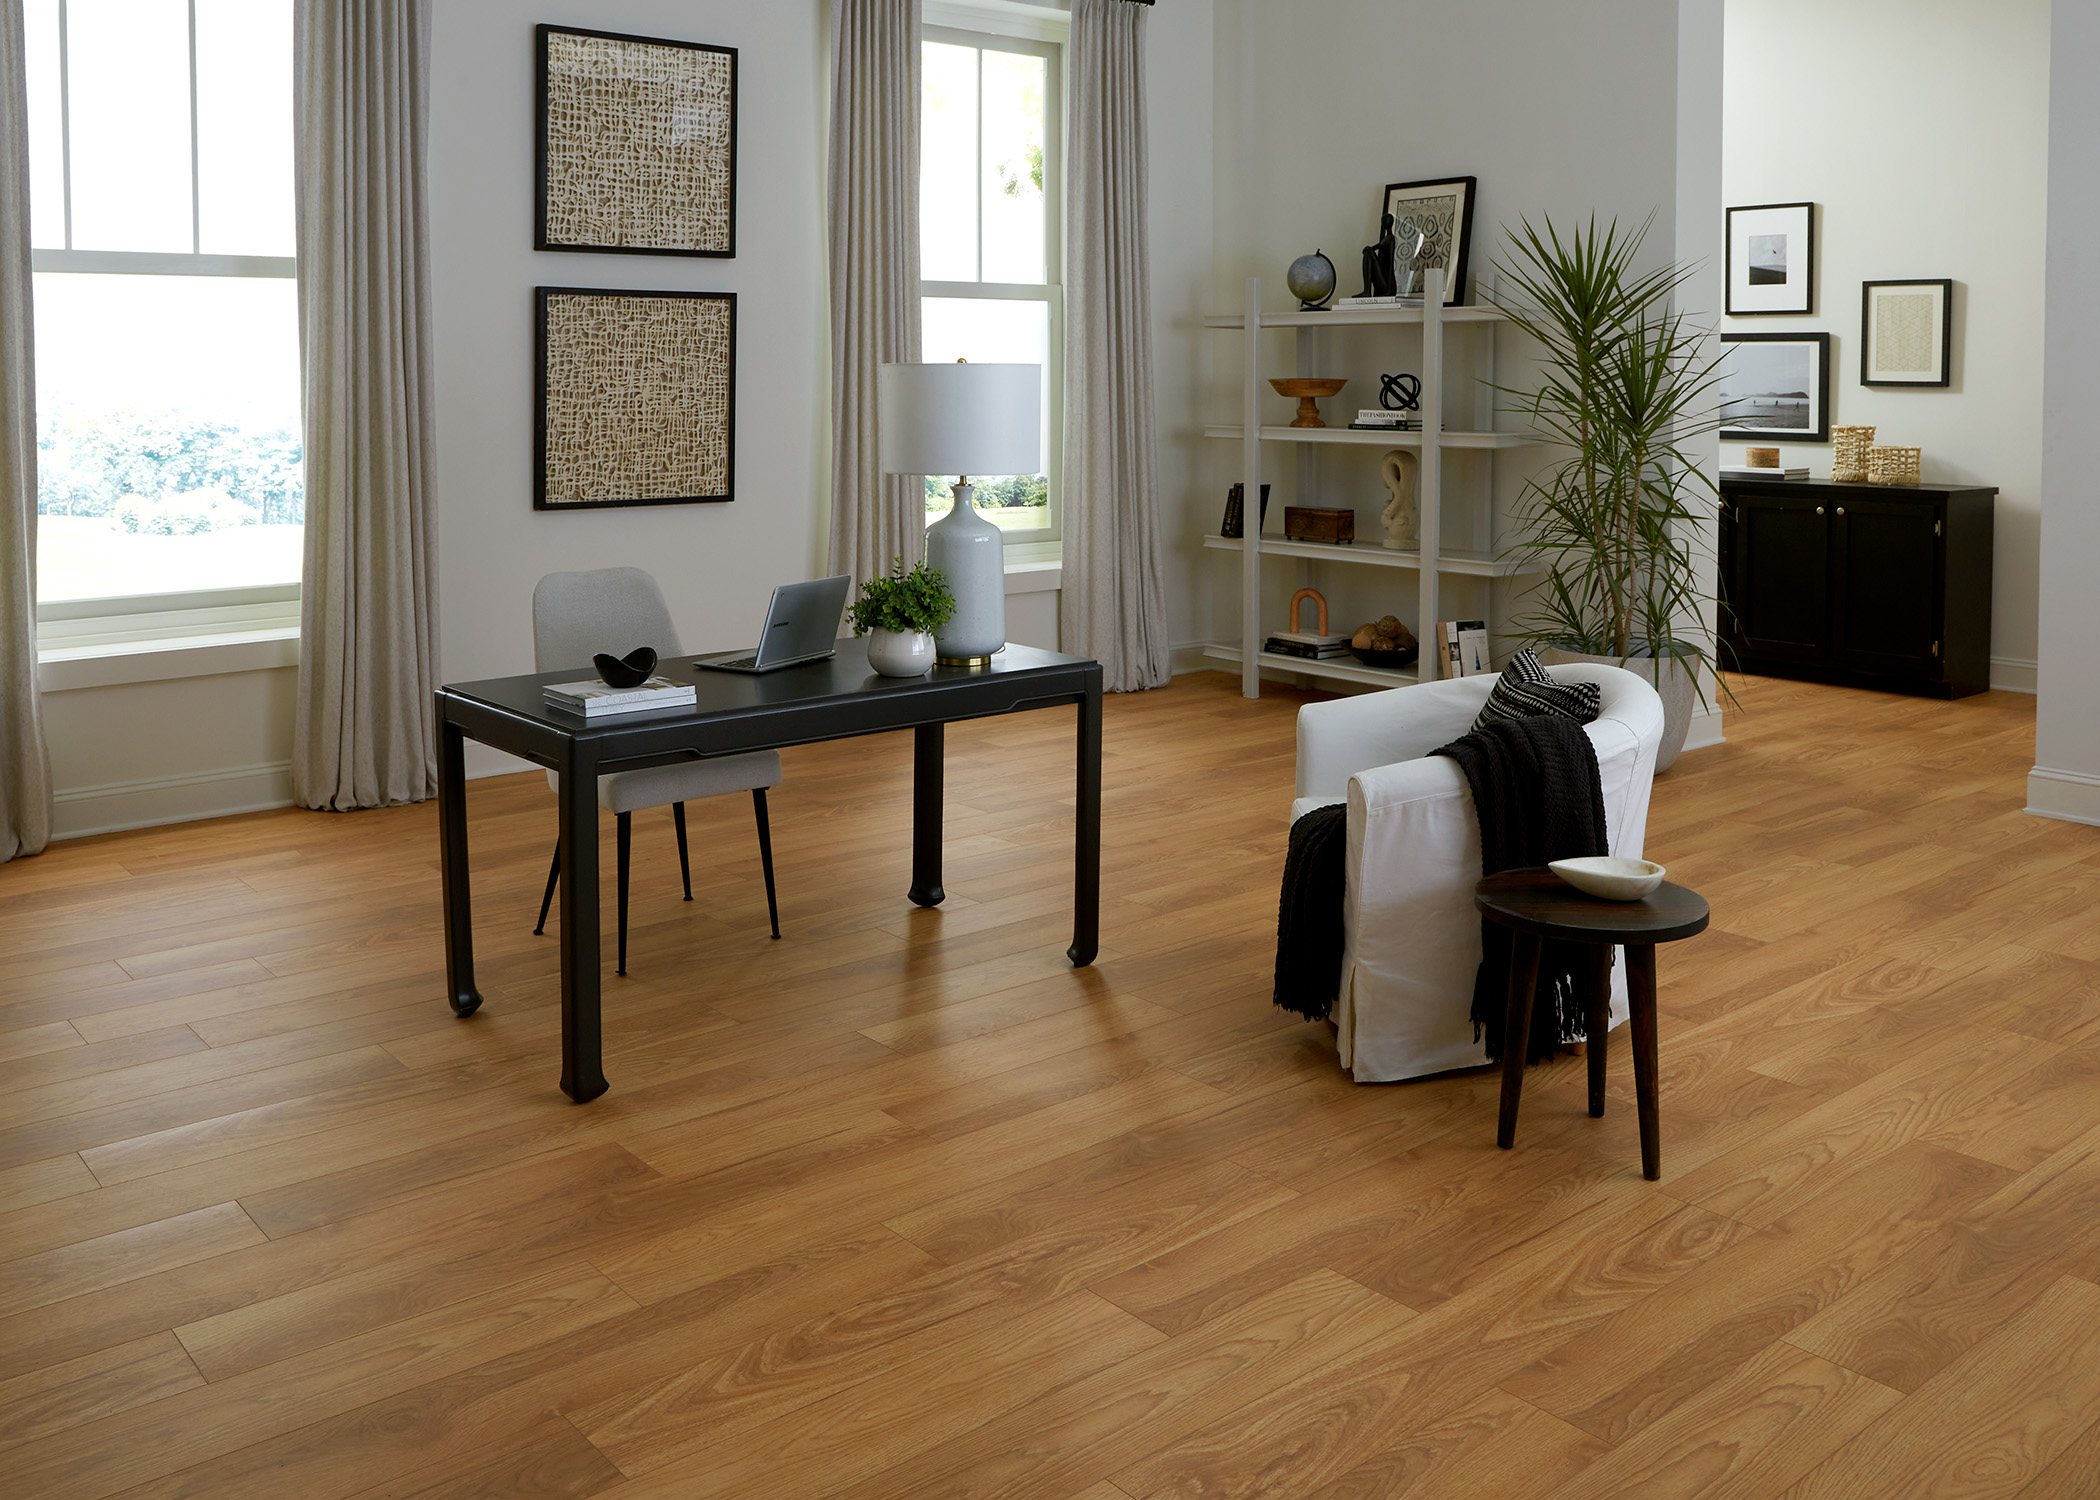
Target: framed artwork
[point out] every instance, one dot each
(1771, 259)
(634, 400)
(1906, 332)
(637, 144)
(1442, 209)
(1775, 386)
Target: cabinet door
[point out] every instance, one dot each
(1886, 593)
(1781, 589)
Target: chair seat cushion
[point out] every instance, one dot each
(685, 781)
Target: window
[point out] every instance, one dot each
(167, 335)
(988, 241)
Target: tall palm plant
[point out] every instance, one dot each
(1624, 384)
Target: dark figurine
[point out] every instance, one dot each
(1400, 392)
(1378, 263)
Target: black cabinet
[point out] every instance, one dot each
(1858, 584)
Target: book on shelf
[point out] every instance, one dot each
(1743, 471)
(593, 699)
(1377, 416)
(1310, 647)
(1377, 302)
(1463, 645)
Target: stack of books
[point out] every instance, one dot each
(1743, 471)
(595, 700)
(1378, 418)
(1464, 646)
(1415, 301)
(1304, 643)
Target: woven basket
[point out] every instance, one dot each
(1892, 466)
(1848, 459)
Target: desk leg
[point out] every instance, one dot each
(1516, 1031)
(452, 849)
(1640, 993)
(582, 1065)
(926, 770)
(1086, 832)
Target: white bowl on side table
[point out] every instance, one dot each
(1609, 877)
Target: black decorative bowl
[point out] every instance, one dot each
(1372, 658)
(629, 671)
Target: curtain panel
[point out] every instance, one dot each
(365, 733)
(25, 768)
(872, 194)
(1114, 599)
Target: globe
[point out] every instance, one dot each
(1311, 279)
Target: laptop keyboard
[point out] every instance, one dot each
(740, 661)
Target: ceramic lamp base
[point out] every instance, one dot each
(971, 554)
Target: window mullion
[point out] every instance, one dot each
(977, 180)
(196, 189)
(65, 124)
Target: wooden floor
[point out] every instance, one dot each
(902, 1206)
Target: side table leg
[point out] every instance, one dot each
(1640, 990)
(1516, 1031)
(1598, 1026)
(926, 771)
(1086, 832)
(452, 851)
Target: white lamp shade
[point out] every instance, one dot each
(961, 418)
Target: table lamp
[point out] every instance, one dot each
(964, 419)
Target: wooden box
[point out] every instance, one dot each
(1310, 524)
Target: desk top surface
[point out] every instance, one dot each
(836, 681)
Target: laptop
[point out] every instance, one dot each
(802, 625)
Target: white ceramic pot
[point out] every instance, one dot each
(1676, 688)
(900, 653)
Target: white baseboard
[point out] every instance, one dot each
(2012, 674)
(1705, 728)
(1187, 656)
(2072, 796)
(153, 800)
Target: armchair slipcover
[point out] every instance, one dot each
(1413, 935)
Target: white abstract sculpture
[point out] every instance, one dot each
(1401, 472)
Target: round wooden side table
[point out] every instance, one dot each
(1537, 906)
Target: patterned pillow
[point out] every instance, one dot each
(1526, 688)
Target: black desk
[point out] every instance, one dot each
(829, 700)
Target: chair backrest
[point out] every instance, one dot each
(577, 615)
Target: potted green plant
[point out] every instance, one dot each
(899, 615)
(1623, 383)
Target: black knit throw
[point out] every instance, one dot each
(1309, 935)
(1538, 797)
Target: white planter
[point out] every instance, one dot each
(1676, 689)
(900, 653)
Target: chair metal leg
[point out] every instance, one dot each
(626, 826)
(685, 869)
(553, 879)
(765, 854)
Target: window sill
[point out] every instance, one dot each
(1034, 568)
(62, 668)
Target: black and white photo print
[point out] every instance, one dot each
(1775, 385)
(1771, 259)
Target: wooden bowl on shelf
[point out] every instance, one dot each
(1308, 390)
(1387, 659)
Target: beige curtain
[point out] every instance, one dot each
(873, 195)
(1113, 605)
(365, 734)
(25, 771)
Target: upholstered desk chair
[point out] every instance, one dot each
(1412, 934)
(577, 615)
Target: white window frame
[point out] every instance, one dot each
(1038, 545)
(271, 606)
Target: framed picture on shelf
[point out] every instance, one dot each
(635, 398)
(1442, 208)
(1906, 332)
(1771, 249)
(1775, 386)
(1235, 501)
(637, 144)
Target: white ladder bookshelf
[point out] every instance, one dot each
(1430, 560)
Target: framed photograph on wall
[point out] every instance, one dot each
(1442, 208)
(635, 398)
(1771, 259)
(1775, 387)
(637, 144)
(1906, 332)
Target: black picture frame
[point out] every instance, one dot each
(1466, 189)
(542, 185)
(1814, 430)
(543, 298)
(1935, 373)
(1742, 299)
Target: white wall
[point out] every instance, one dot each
(2066, 778)
(1835, 104)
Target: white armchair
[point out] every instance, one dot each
(1413, 935)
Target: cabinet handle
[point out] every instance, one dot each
(1819, 510)
(1841, 510)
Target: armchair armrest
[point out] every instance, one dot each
(1339, 738)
